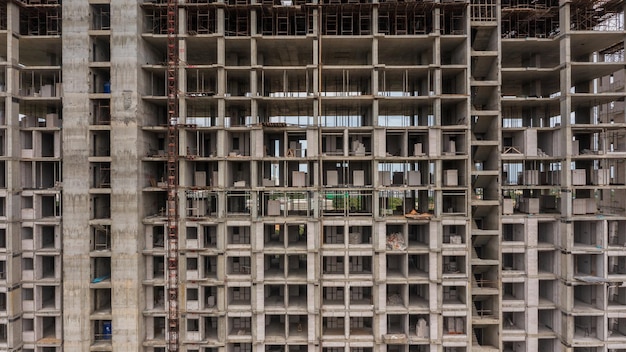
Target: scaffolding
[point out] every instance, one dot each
(530, 20)
(483, 10)
(236, 21)
(155, 20)
(597, 15)
(348, 19)
(201, 20)
(285, 20)
(40, 20)
(405, 18)
(453, 18)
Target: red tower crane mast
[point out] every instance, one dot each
(172, 175)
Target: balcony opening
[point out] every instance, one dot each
(240, 326)
(274, 266)
(396, 295)
(209, 236)
(333, 295)
(396, 266)
(274, 236)
(454, 325)
(297, 266)
(50, 205)
(361, 295)
(101, 206)
(418, 326)
(513, 321)
(238, 203)
(585, 327)
(48, 297)
(210, 297)
(359, 235)
(418, 265)
(274, 296)
(396, 324)
(512, 292)
(275, 326)
(101, 269)
(48, 269)
(201, 203)
(210, 328)
(159, 328)
(297, 236)
(419, 236)
(239, 295)
(297, 326)
(340, 203)
(101, 108)
(361, 326)
(102, 331)
(101, 301)
(334, 265)
(334, 235)
(454, 234)
(360, 265)
(210, 267)
(158, 267)
(297, 296)
(101, 175)
(238, 235)
(454, 295)
(418, 295)
(239, 265)
(333, 325)
(48, 327)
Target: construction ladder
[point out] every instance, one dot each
(172, 175)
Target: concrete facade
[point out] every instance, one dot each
(355, 176)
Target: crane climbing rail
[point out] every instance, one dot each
(172, 176)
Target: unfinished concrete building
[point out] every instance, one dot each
(353, 175)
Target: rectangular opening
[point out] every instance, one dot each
(418, 295)
(240, 326)
(333, 295)
(238, 235)
(334, 265)
(274, 266)
(209, 297)
(360, 325)
(361, 295)
(395, 295)
(274, 296)
(334, 235)
(333, 325)
(209, 236)
(101, 300)
(297, 266)
(239, 265)
(209, 266)
(100, 269)
(360, 265)
(239, 295)
(210, 328)
(275, 326)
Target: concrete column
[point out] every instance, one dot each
(76, 263)
(127, 301)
